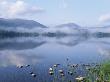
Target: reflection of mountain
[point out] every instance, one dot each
(19, 45)
(22, 51)
(23, 43)
(72, 41)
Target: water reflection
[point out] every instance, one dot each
(20, 43)
(31, 43)
(72, 41)
(104, 50)
(14, 58)
(22, 51)
(32, 50)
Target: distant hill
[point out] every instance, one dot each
(69, 25)
(19, 23)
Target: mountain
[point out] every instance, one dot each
(69, 25)
(19, 23)
(72, 28)
(68, 28)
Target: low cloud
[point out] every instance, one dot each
(105, 18)
(18, 8)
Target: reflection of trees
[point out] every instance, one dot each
(20, 45)
(9, 54)
(101, 35)
(15, 44)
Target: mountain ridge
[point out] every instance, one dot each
(20, 23)
(69, 25)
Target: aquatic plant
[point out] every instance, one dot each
(92, 72)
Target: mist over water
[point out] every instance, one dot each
(41, 52)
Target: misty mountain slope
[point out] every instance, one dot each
(30, 26)
(102, 28)
(19, 23)
(71, 28)
(69, 25)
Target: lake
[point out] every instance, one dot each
(40, 53)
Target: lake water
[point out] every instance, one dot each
(43, 52)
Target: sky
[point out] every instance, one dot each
(55, 12)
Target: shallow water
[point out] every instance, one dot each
(42, 52)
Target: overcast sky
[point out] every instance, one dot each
(53, 12)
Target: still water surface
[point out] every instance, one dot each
(42, 52)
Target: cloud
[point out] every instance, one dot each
(105, 18)
(18, 8)
(63, 4)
